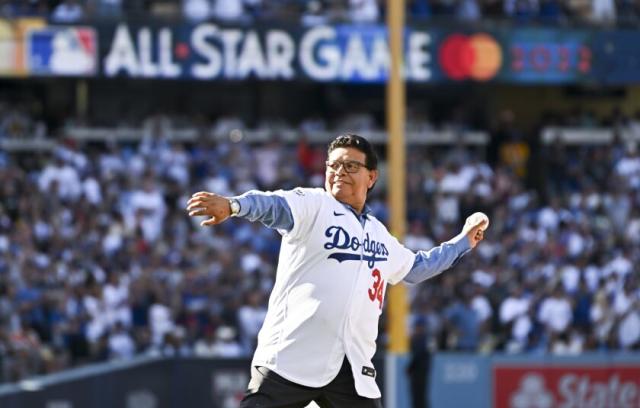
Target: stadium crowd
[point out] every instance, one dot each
(321, 11)
(99, 261)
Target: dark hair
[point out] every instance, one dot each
(359, 143)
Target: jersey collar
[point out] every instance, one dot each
(364, 215)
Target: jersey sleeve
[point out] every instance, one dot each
(406, 258)
(305, 205)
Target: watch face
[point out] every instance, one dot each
(235, 207)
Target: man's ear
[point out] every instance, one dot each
(373, 177)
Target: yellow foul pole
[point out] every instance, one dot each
(397, 296)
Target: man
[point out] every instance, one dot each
(336, 259)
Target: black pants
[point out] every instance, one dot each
(269, 390)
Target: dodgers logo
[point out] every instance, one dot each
(340, 239)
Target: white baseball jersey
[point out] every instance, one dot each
(332, 277)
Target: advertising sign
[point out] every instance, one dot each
(209, 51)
(551, 56)
(514, 55)
(347, 53)
(566, 386)
(63, 51)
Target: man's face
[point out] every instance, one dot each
(347, 179)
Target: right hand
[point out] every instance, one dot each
(474, 228)
(211, 205)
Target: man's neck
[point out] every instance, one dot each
(357, 209)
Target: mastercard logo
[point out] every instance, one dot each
(476, 56)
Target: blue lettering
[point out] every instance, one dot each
(355, 244)
(341, 239)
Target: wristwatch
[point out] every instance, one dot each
(234, 205)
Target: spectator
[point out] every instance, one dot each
(68, 11)
(515, 316)
(481, 306)
(146, 209)
(604, 11)
(250, 317)
(521, 10)
(108, 8)
(229, 10)
(314, 14)
(61, 180)
(555, 311)
(464, 323)
(206, 346)
(121, 345)
(364, 11)
(196, 10)
(603, 318)
(226, 345)
(468, 10)
(626, 306)
(160, 321)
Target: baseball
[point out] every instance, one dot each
(476, 218)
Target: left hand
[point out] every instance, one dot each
(213, 206)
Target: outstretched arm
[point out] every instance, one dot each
(271, 210)
(438, 259)
(431, 263)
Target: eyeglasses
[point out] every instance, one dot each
(350, 166)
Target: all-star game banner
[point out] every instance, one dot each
(343, 53)
(326, 53)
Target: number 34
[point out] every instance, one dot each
(377, 291)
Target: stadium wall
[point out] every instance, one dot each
(457, 380)
(143, 382)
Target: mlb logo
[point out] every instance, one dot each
(68, 51)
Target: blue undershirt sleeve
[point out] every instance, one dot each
(431, 263)
(271, 210)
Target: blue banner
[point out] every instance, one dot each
(326, 53)
(347, 53)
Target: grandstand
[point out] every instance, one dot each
(112, 113)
